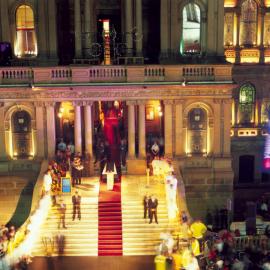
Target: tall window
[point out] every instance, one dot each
(248, 23)
(26, 43)
(197, 131)
(247, 103)
(191, 32)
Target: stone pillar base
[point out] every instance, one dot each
(136, 166)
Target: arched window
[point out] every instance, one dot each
(247, 103)
(248, 23)
(26, 43)
(197, 131)
(21, 134)
(191, 31)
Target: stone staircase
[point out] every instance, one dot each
(140, 237)
(81, 236)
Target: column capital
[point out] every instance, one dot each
(49, 103)
(2, 104)
(218, 100)
(179, 101)
(168, 102)
(227, 101)
(141, 102)
(87, 103)
(38, 103)
(78, 103)
(131, 102)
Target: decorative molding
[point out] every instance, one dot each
(87, 103)
(38, 103)
(78, 103)
(179, 101)
(49, 103)
(217, 100)
(167, 102)
(131, 102)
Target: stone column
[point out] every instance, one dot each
(88, 128)
(237, 47)
(258, 112)
(52, 29)
(77, 126)
(40, 129)
(139, 36)
(77, 29)
(50, 117)
(87, 23)
(217, 127)
(5, 25)
(128, 26)
(3, 154)
(227, 105)
(42, 36)
(164, 12)
(262, 15)
(131, 129)
(179, 142)
(142, 152)
(168, 128)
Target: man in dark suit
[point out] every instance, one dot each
(153, 204)
(76, 200)
(145, 206)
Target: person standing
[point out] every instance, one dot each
(47, 182)
(76, 201)
(145, 206)
(153, 204)
(62, 214)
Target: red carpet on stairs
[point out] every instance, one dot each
(110, 221)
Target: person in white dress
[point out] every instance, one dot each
(110, 176)
(47, 182)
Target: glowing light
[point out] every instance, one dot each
(33, 229)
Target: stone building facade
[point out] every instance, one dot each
(164, 61)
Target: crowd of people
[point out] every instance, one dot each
(197, 247)
(10, 239)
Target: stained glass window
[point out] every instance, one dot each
(248, 23)
(26, 43)
(246, 103)
(191, 32)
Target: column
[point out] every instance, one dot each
(139, 35)
(77, 29)
(217, 127)
(88, 128)
(87, 24)
(131, 129)
(237, 47)
(52, 29)
(164, 28)
(258, 112)
(42, 37)
(3, 153)
(168, 128)
(129, 20)
(5, 25)
(50, 117)
(227, 104)
(40, 129)
(262, 14)
(77, 127)
(179, 142)
(142, 152)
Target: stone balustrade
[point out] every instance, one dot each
(108, 74)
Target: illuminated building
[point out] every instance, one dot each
(164, 64)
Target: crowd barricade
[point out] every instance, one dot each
(257, 241)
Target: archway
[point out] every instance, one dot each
(21, 134)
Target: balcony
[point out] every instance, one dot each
(115, 74)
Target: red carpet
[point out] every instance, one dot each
(110, 221)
